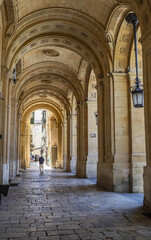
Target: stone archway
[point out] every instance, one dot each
(25, 132)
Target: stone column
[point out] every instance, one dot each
(12, 162)
(105, 133)
(22, 145)
(68, 143)
(73, 142)
(101, 179)
(60, 162)
(121, 166)
(49, 139)
(91, 168)
(27, 143)
(9, 115)
(4, 164)
(17, 139)
(146, 48)
(54, 143)
(137, 143)
(64, 145)
(82, 129)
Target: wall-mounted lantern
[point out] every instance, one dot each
(136, 90)
(96, 117)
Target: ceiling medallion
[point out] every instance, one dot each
(46, 81)
(51, 52)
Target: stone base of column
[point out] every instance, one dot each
(11, 170)
(121, 177)
(137, 177)
(4, 173)
(28, 164)
(17, 167)
(23, 165)
(73, 164)
(68, 165)
(64, 162)
(81, 169)
(147, 187)
(58, 165)
(104, 176)
(91, 166)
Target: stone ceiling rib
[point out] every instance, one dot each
(77, 33)
(88, 7)
(60, 75)
(74, 31)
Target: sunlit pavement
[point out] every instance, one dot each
(59, 206)
(35, 166)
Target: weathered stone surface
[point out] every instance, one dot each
(80, 210)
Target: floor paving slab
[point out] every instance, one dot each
(59, 206)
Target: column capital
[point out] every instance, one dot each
(73, 114)
(4, 69)
(100, 84)
(83, 101)
(101, 80)
(68, 115)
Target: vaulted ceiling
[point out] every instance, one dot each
(54, 43)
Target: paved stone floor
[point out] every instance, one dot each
(58, 206)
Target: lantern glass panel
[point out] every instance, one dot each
(138, 98)
(134, 96)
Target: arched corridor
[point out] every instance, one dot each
(78, 62)
(59, 206)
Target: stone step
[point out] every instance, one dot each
(22, 171)
(16, 181)
(19, 174)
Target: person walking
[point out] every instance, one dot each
(41, 162)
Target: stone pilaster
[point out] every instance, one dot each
(73, 142)
(121, 165)
(23, 145)
(17, 137)
(101, 179)
(105, 133)
(68, 143)
(137, 142)
(4, 164)
(60, 162)
(146, 48)
(12, 163)
(54, 143)
(92, 159)
(27, 142)
(64, 145)
(82, 126)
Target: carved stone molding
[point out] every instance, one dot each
(4, 69)
(10, 11)
(109, 37)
